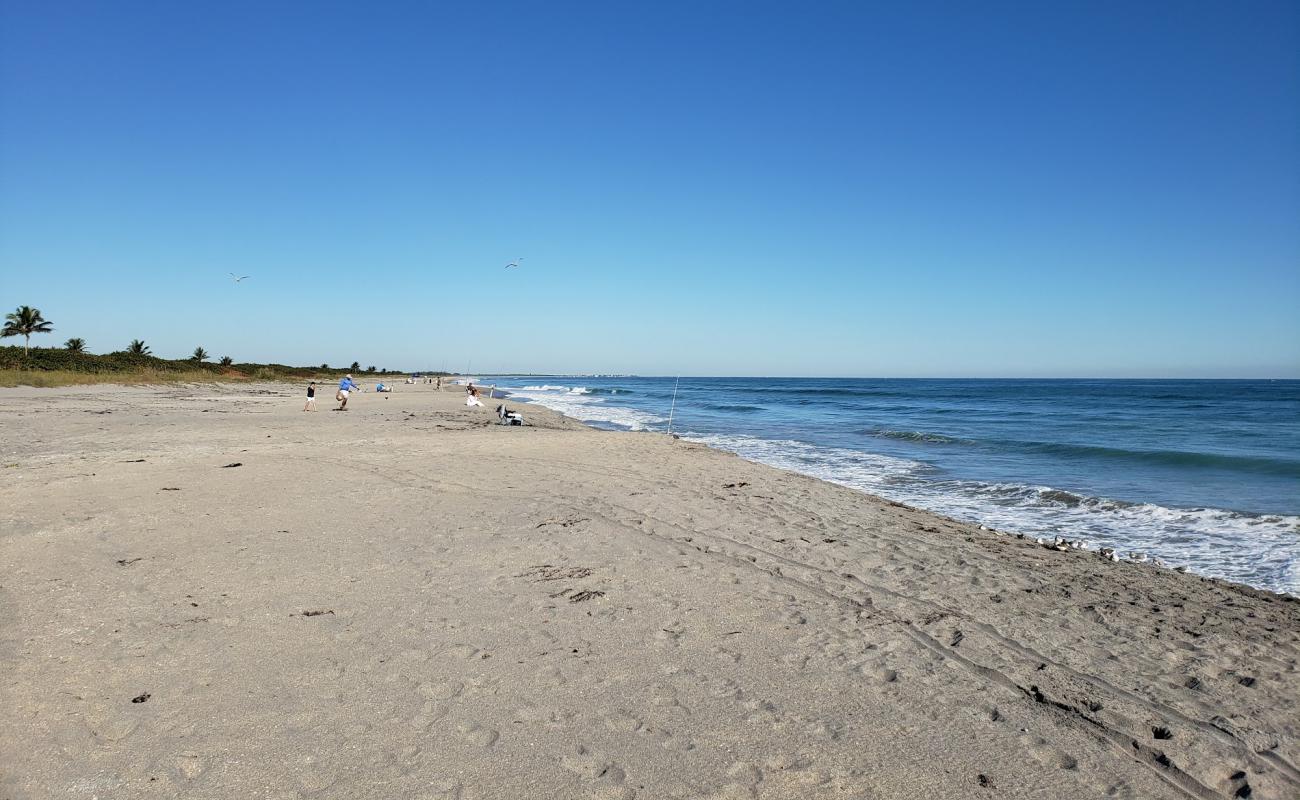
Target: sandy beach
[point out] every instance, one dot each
(208, 593)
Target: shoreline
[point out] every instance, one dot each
(483, 611)
(1051, 541)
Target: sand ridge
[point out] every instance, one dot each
(407, 600)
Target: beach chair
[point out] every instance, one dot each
(507, 417)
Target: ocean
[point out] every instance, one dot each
(1204, 474)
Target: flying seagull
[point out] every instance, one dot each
(239, 278)
(514, 263)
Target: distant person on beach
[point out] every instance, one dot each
(311, 397)
(439, 386)
(345, 386)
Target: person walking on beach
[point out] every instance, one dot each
(311, 397)
(345, 386)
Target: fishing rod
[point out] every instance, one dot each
(673, 407)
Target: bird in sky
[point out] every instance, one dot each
(514, 263)
(239, 278)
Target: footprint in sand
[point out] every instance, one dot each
(761, 712)
(829, 730)
(724, 654)
(786, 762)
(444, 789)
(745, 773)
(544, 715)
(190, 766)
(412, 656)
(463, 651)
(668, 740)
(551, 675)
(878, 673)
(622, 722)
(733, 791)
(429, 715)
(725, 687)
(589, 765)
(116, 729)
(477, 734)
(441, 690)
(1050, 756)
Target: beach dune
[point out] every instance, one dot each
(208, 593)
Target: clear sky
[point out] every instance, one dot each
(747, 188)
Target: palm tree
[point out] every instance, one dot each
(24, 321)
(200, 355)
(227, 361)
(370, 369)
(356, 366)
(138, 348)
(324, 366)
(75, 345)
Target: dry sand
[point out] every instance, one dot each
(407, 601)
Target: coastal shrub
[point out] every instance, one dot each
(48, 358)
(125, 365)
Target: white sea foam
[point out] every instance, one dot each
(854, 468)
(582, 405)
(1263, 550)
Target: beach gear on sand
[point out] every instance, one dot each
(508, 417)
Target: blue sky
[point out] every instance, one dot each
(749, 188)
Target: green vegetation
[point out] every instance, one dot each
(71, 364)
(42, 366)
(24, 321)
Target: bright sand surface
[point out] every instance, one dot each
(408, 601)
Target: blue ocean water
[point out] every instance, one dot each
(1198, 473)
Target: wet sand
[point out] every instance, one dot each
(406, 600)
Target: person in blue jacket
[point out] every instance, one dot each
(345, 386)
